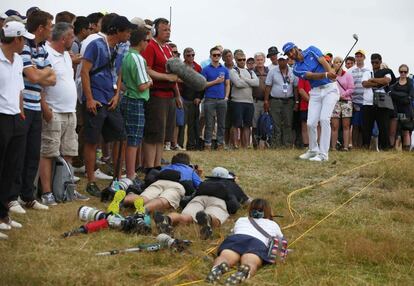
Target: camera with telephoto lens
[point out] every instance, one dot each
(135, 224)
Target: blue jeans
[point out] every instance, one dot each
(215, 109)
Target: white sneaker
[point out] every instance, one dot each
(15, 224)
(101, 175)
(8, 225)
(80, 170)
(318, 158)
(3, 236)
(309, 154)
(76, 179)
(4, 226)
(33, 205)
(167, 146)
(15, 207)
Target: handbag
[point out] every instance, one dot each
(276, 245)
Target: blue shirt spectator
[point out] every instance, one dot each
(310, 64)
(217, 91)
(102, 82)
(187, 173)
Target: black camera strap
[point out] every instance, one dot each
(259, 228)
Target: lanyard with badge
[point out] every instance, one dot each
(111, 58)
(286, 81)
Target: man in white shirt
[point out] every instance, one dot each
(59, 110)
(12, 134)
(272, 53)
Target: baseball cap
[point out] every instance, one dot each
(11, 12)
(140, 23)
(121, 23)
(250, 60)
(282, 57)
(287, 47)
(272, 51)
(360, 52)
(16, 29)
(220, 172)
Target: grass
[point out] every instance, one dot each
(369, 241)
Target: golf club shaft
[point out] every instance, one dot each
(342, 63)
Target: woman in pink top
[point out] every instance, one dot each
(343, 108)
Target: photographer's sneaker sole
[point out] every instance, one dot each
(204, 221)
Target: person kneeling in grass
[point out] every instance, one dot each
(247, 245)
(209, 206)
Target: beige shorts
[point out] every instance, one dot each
(171, 191)
(59, 136)
(210, 205)
(343, 108)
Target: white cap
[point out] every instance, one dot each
(220, 172)
(140, 23)
(282, 56)
(16, 29)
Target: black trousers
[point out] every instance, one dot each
(31, 155)
(371, 114)
(192, 117)
(12, 138)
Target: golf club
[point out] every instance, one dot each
(355, 36)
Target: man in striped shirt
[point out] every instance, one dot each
(37, 74)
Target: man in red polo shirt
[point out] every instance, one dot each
(160, 109)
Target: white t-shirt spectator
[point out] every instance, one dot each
(368, 92)
(11, 84)
(244, 226)
(62, 96)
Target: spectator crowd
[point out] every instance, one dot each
(95, 89)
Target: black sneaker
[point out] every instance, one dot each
(163, 223)
(93, 189)
(216, 272)
(243, 272)
(204, 221)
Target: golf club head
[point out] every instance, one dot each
(355, 36)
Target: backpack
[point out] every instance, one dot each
(264, 127)
(63, 185)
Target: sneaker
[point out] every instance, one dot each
(15, 207)
(319, 158)
(163, 223)
(238, 277)
(33, 205)
(204, 221)
(93, 189)
(101, 175)
(309, 154)
(177, 148)
(216, 272)
(79, 197)
(3, 236)
(76, 179)
(167, 146)
(8, 223)
(80, 170)
(4, 226)
(139, 206)
(114, 205)
(49, 199)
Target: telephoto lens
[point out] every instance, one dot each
(86, 213)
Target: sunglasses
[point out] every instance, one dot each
(190, 55)
(375, 62)
(241, 60)
(216, 55)
(403, 71)
(175, 52)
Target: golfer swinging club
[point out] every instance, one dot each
(311, 65)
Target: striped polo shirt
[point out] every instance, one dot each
(33, 56)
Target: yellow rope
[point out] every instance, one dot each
(292, 212)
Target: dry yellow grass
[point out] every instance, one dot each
(367, 242)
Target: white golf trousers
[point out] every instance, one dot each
(321, 105)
